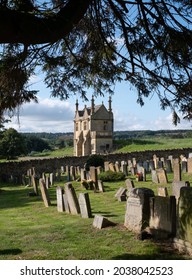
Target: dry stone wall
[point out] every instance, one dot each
(15, 169)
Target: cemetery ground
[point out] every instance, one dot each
(31, 231)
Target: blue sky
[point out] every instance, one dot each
(53, 115)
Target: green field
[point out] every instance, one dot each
(28, 230)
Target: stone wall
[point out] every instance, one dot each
(17, 168)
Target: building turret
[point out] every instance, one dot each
(110, 108)
(92, 105)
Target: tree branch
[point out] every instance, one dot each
(30, 29)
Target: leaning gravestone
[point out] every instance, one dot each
(121, 194)
(72, 199)
(162, 176)
(44, 193)
(129, 184)
(60, 202)
(138, 209)
(101, 222)
(85, 207)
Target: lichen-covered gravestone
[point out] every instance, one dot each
(138, 209)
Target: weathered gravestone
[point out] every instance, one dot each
(121, 194)
(184, 222)
(176, 170)
(163, 216)
(112, 167)
(177, 186)
(162, 176)
(72, 199)
(102, 222)
(189, 165)
(130, 185)
(154, 176)
(60, 202)
(85, 207)
(44, 193)
(162, 191)
(138, 209)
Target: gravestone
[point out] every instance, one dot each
(72, 173)
(177, 186)
(93, 176)
(189, 165)
(130, 185)
(106, 166)
(47, 181)
(162, 176)
(168, 166)
(100, 222)
(72, 199)
(66, 204)
(160, 164)
(163, 216)
(176, 170)
(35, 184)
(162, 191)
(121, 194)
(112, 167)
(154, 176)
(184, 224)
(44, 193)
(83, 174)
(138, 209)
(184, 166)
(146, 165)
(125, 169)
(117, 166)
(51, 178)
(85, 207)
(100, 185)
(60, 202)
(151, 165)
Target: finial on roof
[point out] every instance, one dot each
(77, 105)
(92, 105)
(110, 101)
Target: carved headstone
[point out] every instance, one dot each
(44, 193)
(138, 209)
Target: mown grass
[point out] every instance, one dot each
(30, 231)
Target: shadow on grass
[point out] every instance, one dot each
(10, 252)
(16, 197)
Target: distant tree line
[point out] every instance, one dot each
(14, 144)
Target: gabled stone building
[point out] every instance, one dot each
(93, 129)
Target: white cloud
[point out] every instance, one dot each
(49, 115)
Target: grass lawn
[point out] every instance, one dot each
(30, 231)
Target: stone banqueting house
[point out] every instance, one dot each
(93, 129)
